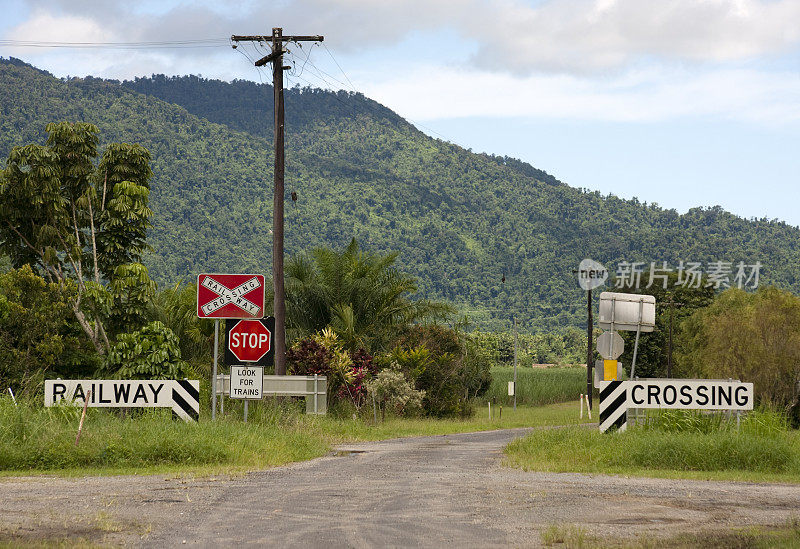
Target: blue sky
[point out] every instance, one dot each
(681, 102)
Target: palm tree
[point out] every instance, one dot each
(360, 295)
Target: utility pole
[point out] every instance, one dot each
(516, 337)
(276, 58)
(590, 344)
(590, 349)
(672, 304)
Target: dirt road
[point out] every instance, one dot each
(428, 491)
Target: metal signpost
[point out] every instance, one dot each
(250, 342)
(620, 311)
(228, 296)
(247, 383)
(591, 275)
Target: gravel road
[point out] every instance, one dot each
(415, 492)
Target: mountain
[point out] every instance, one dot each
(461, 221)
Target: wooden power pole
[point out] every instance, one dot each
(279, 304)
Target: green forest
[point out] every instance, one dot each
(492, 236)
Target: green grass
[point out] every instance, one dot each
(34, 439)
(537, 386)
(761, 450)
(570, 536)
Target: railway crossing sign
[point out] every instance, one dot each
(250, 341)
(230, 296)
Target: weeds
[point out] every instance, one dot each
(761, 446)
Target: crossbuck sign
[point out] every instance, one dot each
(230, 296)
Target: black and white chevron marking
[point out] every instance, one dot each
(186, 399)
(613, 405)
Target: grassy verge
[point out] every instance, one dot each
(762, 450)
(34, 439)
(755, 537)
(537, 386)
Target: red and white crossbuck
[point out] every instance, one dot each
(230, 296)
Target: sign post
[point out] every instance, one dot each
(619, 311)
(591, 275)
(228, 296)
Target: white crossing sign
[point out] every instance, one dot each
(182, 395)
(616, 397)
(247, 382)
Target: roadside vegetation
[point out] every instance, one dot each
(35, 439)
(755, 537)
(673, 444)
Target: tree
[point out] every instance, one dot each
(38, 332)
(752, 337)
(361, 296)
(77, 224)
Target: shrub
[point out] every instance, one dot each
(346, 371)
(394, 391)
(439, 362)
(150, 353)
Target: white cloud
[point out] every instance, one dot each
(46, 26)
(578, 36)
(637, 96)
(569, 36)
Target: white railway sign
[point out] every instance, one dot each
(182, 395)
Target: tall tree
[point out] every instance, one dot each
(80, 224)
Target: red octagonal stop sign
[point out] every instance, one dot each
(250, 340)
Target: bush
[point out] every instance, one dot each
(440, 363)
(393, 390)
(346, 371)
(39, 336)
(150, 353)
(751, 337)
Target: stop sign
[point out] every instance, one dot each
(249, 340)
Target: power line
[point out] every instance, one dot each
(162, 44)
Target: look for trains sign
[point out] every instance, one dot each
(230, 296)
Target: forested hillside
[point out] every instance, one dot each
(459, 220)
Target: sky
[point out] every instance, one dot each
(683, 103)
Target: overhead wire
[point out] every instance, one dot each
(155, 44)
